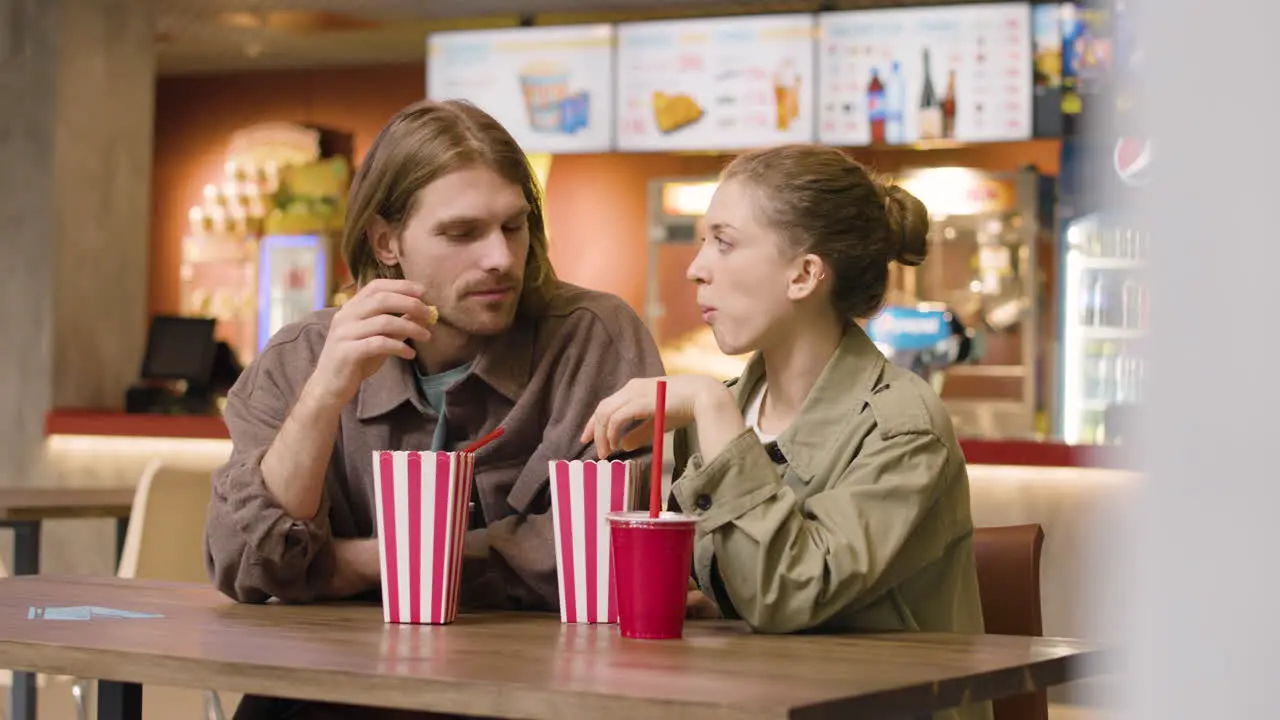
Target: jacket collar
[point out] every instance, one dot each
(853, 372)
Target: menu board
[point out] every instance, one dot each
(551, 87)
(904, 75)
(727, 83)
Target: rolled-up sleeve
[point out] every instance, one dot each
(788, 566)
(254, 550)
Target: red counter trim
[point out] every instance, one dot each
(98, 422)
(1039, 454)
(977, 452)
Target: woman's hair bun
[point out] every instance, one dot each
(908, 225)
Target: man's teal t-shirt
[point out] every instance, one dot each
(433, 388)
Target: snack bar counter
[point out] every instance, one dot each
(140, 428)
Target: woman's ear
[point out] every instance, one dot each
(809, 273)
(382, 238)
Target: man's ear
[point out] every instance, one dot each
(382, 238)
(808, 274)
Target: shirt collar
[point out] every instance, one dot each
(504, 364)
(388, 388)
(850, 376)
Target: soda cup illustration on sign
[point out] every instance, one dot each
(786, 94)
(551, 105)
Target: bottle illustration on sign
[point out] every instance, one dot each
(930, 109)
(895, 103)
(552, 108)
(949, 107)
(875, 108)
(786, 94)
(980, 60)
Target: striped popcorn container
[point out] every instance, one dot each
(422, 503)
(583, 493)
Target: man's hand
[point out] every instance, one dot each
(357, 569)
(370, 327)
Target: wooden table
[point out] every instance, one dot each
(23, 510)
(505, 665)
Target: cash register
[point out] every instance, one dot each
(185, 369)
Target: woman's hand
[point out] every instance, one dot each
(698, 606)
(613, 426)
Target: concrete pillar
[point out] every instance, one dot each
(76, 125)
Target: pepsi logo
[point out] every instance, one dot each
(1130, 159)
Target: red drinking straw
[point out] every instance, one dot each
(494, 435)
(659, 431)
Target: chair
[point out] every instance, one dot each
(165, 541)
(1008, 560)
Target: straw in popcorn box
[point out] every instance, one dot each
(582, 494)
(422, 501)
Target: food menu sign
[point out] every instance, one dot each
(900, 76)
(551, 87)
(715, 84)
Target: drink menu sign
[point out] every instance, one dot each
(551, 87)
(899, 76)
(726, 83)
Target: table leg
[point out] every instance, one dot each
(26, 547)
(22, 696)
(122, 531)
(119, 701)
(26, 561)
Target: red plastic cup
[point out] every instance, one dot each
(652, 561)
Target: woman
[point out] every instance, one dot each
(830, 489)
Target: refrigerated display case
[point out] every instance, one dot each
(1105, 321)
(1105, 246)
(293, 281)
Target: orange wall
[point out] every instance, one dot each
(596, 204)
(597, 213)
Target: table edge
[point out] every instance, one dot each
(506, 699)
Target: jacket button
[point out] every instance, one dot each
(703, 502)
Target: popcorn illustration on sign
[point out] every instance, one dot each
(551, 105)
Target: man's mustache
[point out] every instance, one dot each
(492, 284)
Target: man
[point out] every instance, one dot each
(459, 326)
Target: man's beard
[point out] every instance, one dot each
(472, 321)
